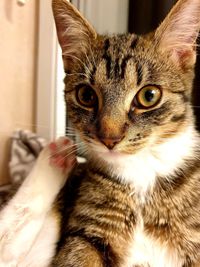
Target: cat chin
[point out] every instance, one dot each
(113, 156)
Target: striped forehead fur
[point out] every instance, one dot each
(117, 56)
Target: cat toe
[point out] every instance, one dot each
(62, 154)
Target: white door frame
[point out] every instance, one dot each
(46, 73)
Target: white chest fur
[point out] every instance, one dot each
(146, 251)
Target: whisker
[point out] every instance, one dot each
(92, 54)
(66, 156)
(77, 73)
(195, 106)
(80, 61)
(70, 153)
(70, 134)
(69, 130)
(57, 151)
(88, 61)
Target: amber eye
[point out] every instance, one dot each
(148, 97)
(86, 96)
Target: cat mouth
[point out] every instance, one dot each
(112, 155)
(109, 154)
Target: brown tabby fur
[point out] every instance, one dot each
(99, 211)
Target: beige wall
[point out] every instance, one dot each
(18, 50)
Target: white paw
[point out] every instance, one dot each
(49, 174)
(22, 218)
(59, 155)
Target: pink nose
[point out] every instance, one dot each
(111, 142)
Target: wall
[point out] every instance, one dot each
(18, 42)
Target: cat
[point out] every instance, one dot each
(136, 202)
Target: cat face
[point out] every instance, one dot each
(126, 93)
(128, 97)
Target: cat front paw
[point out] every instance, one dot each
(55, 163)
(62, 154)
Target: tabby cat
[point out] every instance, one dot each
(136, 202)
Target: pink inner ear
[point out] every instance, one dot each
(183, 56)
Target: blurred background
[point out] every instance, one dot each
(31, 71)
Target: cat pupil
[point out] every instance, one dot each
(88, 96)
(149, 95)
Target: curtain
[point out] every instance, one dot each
(145, 15)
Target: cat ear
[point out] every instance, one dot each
(75, 34)
(178, 33)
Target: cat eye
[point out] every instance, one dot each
(148, 97)
(86, 96)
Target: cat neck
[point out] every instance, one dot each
(142, 169)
